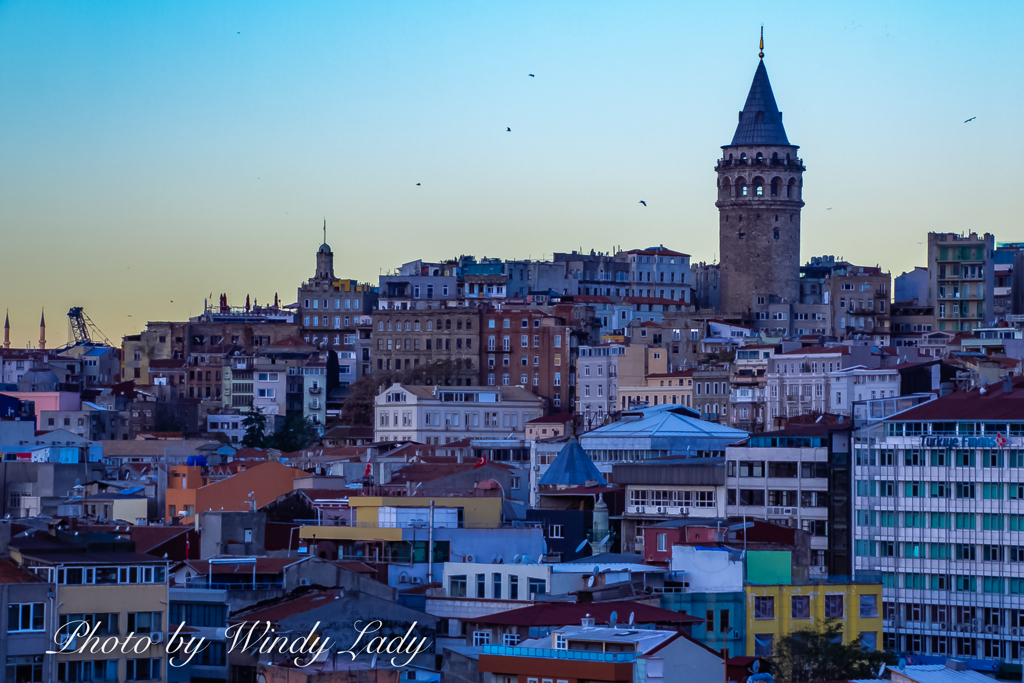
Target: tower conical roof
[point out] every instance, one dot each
(760, 121)
(572, 467)
(7, 320)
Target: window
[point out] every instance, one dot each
(561, 642)
(555, 531)
(869, 605)
(25, 669)
(833, 606)
(91, 671)
(764, 643)
(510, 639)
(513, 587)
(481, 585)
(801, 607)
(764, 607)
(662, 542)
(26, 616)
(537, 586)
(144, 622)
(496, 581)
(142, 670)
(457, 586)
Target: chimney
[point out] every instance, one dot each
(588, 621)
(1007, 385)
(945, 388)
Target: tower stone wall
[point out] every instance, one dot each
(760, 194)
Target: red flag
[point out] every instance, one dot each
(1000, 440)
(368, 470)
(481, 462)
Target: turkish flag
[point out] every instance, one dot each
(368, 470)
(1000, 440)
(481, 462)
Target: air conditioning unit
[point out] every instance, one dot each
(417, 580)
(469, 558)
(661, 510)
(303, 582)
(942, 626)
(536, 468)
(157, 637)
(1014, 631)
(990, 629)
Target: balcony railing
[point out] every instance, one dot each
(314, 390)
(572, 655)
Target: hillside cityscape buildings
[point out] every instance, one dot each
(599, 467)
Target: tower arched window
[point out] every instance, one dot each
(776, 186)
(775, 157)
(775, 234)
(448, 324)
(743, 157)
(791, 189)
(741, 187)
(726, 190)
(758, 186)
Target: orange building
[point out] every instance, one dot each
(190, 488)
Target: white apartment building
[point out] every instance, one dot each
(441, 415)
(597, 378)
(939, 511)
(661, 273)
(861, 384)
(799, 380)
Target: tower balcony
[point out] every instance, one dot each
(791, 164)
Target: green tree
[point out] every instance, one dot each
(819, 655)
(296, 433)
(255, 424)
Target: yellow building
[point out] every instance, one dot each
(775, 611)
(122, 593)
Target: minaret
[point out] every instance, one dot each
(599, 528)
(760, 185)
(42, 330)
(7, 329)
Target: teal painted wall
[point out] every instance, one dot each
(697, 605)
(770, 567)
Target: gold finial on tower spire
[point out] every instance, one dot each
(761, 53)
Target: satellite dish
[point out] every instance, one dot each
(632, 616)
(755, 666)
(590, 581)
(902, 665)
(581, 546)
(604, 541)
(612, 619)
(597, 570)
(373, 662)
(881, 672)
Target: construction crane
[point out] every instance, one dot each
(83, 329)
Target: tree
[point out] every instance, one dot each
(296, 433)
(333, 372)
(820, 655)
(255, 425)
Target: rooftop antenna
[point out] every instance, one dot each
(325, 217)
(761, 53)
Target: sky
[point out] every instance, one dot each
(153, 154)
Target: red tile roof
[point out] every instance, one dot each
(591, 299)
(275, 614)
(12, 573)
(991, 406)
(146, 538)
(572, 614)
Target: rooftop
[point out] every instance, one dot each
(568, 613)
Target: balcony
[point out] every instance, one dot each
(314, 405)
(315, 390)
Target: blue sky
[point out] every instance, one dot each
(164, 151)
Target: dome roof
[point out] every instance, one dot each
(324, 248)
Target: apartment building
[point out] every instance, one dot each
(798, 380)
(597, 372)
(533, 349)
(25, 620)
(441, 415)
(330, 309)
(798, 477)
(124, 593)
(443, 339)
(938, 510)
(859, 297)
(748, 386)
(961, 279)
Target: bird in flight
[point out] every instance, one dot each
(643, 202)
(508, 129)
(829, 208)
(172, 301)
(532, 76)
(970, 119)
(417, 184)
